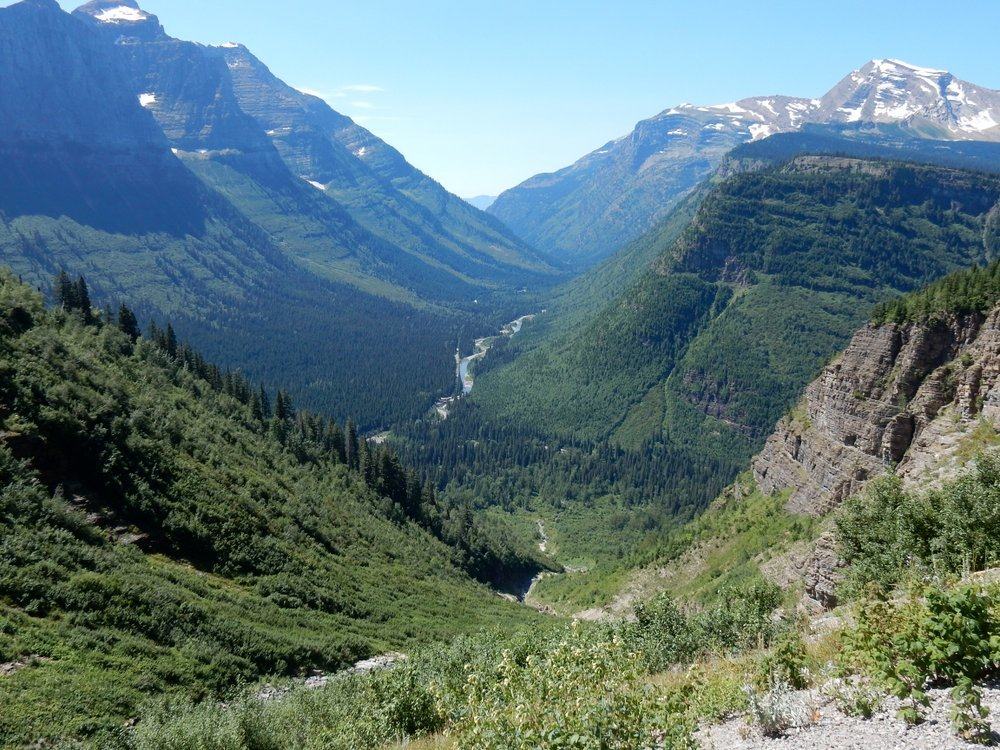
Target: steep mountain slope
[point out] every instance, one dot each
(588, 210)
(156, 535)
(269, 148)
(734, 318)
(89, 183)
(913, 396)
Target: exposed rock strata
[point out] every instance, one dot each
(886, 402)
(905, 398)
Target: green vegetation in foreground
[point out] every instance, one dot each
(646, 683)
(160, 535)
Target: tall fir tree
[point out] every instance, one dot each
(265, 403)
(65, 291)
(351, 445)
(170, 341)
(127, 322)
(82, 299)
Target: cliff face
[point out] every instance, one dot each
(899, 396)
(911, 398)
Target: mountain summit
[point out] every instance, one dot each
(586, 211)
(933, 103)
(123, 17)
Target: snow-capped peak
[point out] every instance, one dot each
(931, 100)
(121, 14)
(230, 45)
(891, 65)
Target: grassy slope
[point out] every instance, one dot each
(247, 561)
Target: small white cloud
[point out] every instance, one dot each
(345, 92)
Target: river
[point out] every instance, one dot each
(464, 364)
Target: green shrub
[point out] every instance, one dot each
(947, 636)
(741, 619)
(888, 534)
(586, 692)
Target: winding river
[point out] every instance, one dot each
(463, 365)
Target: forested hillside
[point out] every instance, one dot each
(167, 526)
(687, 370)
(774, 272)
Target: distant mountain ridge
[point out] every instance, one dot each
(128, 157)
(270, 147)
(588, 210)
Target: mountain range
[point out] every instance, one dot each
(751, 377)
(184, 179)
(586, 211)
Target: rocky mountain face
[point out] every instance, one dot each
(901, 397)
(54, 141)
(588, 210)
(912, 398)
(343, 201)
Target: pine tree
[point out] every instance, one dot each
(127, 322)
(413, 490)
(65, 292)
(170, 341)
(265, 404)
(366, 464)
(255, 408)
(351, 445)
(283, 411)
(82, 299)
(337, 439)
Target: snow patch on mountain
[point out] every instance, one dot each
(121, 14)
(978, 122)
(147, 100)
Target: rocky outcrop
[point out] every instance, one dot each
(905, 398)
(821, 573)
(881, 406)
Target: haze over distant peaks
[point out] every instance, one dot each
(482, 202)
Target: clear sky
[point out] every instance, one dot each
(482, 94)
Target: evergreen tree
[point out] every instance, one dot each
(337, 443)
(170, 341)
(127, 322)
(265, 404)
(351, 445)
(255, 408)
(65, 292)
(283, 407)
(82, 299)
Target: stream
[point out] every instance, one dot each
(463, 365)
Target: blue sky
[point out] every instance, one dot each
(483, 94)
